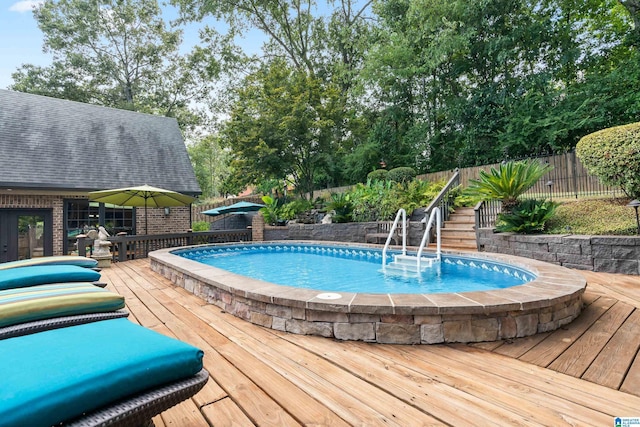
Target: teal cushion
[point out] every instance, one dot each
(43, 274)
(52, 260)
(21, 305)
(58, 375)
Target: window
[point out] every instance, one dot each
(82, 216)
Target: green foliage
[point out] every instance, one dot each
(508, 182)
(593, 217)
(270, 210)
(613, 155)
(340, 203)
(528, 216)
(380, 200)
(402, 175)
(378, 175)
(120, 54)
(282, 125)
(290, 210)
(210, 164)
(200, 226)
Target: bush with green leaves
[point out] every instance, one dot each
(402, 175)
(290, 210)
(613, 155)
(340, 204)
(270, 210)
(378, 175)
(508, 182)
(528, 216)
(200, 226)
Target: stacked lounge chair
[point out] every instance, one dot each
(69, 356)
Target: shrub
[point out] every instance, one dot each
(340, 203)
(528, 216)
(292, 209)
(270, 210)
(613, 155)
(200, 226)
(378, 175)
(402, 175)
(508, 182)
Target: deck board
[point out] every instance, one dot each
(262, 377)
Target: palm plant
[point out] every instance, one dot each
(508, 182)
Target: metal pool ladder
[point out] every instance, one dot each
(414, 263)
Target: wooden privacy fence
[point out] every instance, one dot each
(568, 178)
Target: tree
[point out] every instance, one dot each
(210, 164)
(118, 53)
(281, 126)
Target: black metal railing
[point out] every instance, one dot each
(486, 214)
(129, 247)
(443, 199)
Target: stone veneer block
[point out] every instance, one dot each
(397, 333)
(302, 327)
(355, 331)
(431, 333)
(326, 316)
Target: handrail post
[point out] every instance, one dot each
(401, 213)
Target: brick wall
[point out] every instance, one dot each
(177, 221)
(607, 254)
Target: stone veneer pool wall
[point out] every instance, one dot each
(552, 300)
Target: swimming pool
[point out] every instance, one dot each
(359, 270)
(549, 299)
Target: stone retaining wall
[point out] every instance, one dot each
(348, 232)
(607, 254)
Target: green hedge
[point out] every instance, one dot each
(613, 155)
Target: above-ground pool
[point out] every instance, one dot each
(307, 288)
(357, 270)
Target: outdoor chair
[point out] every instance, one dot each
(381, 232)
(69, 357)
(51, 260)
(45, 274)
(108, 372)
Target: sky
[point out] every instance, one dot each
(21, 39)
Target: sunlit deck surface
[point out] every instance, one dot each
(584, 374)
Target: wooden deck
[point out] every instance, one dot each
(586, 374)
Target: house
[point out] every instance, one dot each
(53, 152)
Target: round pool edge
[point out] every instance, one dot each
(549, 302)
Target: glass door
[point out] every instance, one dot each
(25, 233)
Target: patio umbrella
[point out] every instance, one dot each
(235, 208)
(144, 195)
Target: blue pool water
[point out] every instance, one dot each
(348, 269)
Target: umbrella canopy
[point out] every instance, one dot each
(144, 195)
(240, 207)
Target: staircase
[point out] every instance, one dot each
(458, 232)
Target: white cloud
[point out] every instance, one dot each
(25, 5)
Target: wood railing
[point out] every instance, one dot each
(134, 247)
(443, 199)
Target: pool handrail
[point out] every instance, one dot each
(437, 216)
(403, 213)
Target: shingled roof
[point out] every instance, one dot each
(54, 144)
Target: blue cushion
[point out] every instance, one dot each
(43, 274)
(20, 305)
(58, 375)
(52, 260)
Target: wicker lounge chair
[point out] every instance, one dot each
(36, 320)
(52, 260)
(159, 378)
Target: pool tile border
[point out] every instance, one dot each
(550, 301)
